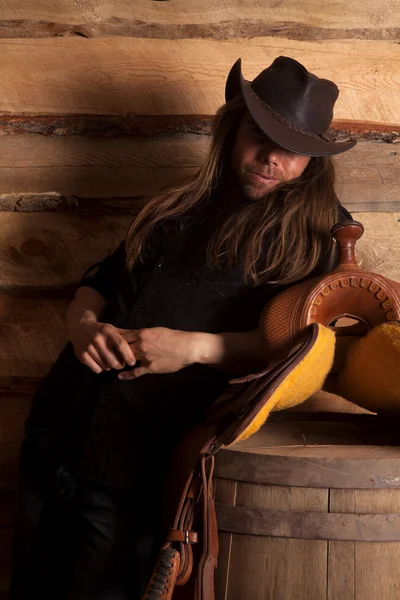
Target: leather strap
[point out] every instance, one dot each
(185, 537)
(208, 559)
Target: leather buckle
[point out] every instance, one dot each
(189, 539)
(187, 536)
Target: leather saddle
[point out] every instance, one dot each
(300, 326)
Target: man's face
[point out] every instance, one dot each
(259, 163)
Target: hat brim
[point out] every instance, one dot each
(275, 126)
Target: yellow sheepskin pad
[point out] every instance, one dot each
(305, 379)
(371, 374)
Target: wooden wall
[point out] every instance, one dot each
(103, 102)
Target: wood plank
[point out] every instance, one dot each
(149, 125)
(374, 566)
(87, 182)
(54, 201)
(125, 75)
(128, 167)
(336, 18)
(278, 568)
(32, 335)
(224, 30)
(379, 248)
(96, 167)
(365, 501)
(341, 569)
(253, 495)
(225, 491)
(178, 151)
(52, 250)
(377, 571)
(370, 173)
(143, 125)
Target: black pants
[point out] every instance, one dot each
(75, 540)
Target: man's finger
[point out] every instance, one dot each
(107, 356)
(94, 354)
(138, 354)
(124, 349)
(130, 335)
(92, 364)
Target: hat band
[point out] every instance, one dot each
(316, 136)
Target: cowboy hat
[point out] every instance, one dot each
(290, 105)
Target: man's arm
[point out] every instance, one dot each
(163, 350)
(239, 353)
(101, 346)
(87, 305)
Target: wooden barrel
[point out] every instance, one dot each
(309, 509)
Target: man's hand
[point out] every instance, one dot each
(160, 350)
(101, 346)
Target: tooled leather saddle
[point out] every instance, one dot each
(300, 327)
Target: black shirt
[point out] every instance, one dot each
(113, 431)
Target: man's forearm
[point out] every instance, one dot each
(238, 353)
(86, 305)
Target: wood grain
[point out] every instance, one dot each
(338, 18)
(341, 571)
(140, 125)
(149, 125)
(31, 335)
(369, 175)
(98, 168)
(283, 569)
(143, 152)
(223, 30)
(353, 571)
(379, 248)
(117, 76)
(50, 250)
(225, 491)
(83, 168)
(309, 525)
(277, 568)
(372, 568)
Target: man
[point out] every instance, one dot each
(157, 328)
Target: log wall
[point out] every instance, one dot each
(104, 102)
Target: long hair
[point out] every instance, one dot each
(281, 238)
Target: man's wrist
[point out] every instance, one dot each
(88, 316)
(75, 321)
(206, 348)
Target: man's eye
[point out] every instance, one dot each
(259, 133)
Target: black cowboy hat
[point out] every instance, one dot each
(291, 105)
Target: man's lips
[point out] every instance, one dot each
(262, 178)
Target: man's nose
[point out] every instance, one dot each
(271, 153)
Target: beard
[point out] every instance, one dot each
(253, 189)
